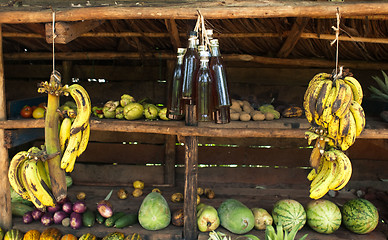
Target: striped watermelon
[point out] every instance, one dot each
(289, 213)
(323, 216)
(360, 216)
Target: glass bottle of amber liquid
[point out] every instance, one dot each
(220, 90)
(203, 89)
(190, 66)
(175, 109)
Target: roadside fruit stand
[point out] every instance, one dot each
(193, 120)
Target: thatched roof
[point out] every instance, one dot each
(269, 32)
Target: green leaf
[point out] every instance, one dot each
(382, 85)
(385, 77)
(270, 233)
(248, 237)
(304, 237)
(279, 230)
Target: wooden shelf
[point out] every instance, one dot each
(282, 128)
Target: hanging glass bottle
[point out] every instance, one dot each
(220, 86)
(175, 109)
(203, 89)
(190, 65)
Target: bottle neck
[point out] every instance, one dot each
(192, 43)
(204, 63)
(180, 59)
(215, 51)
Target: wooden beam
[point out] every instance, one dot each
(174, 34)
(293, 37)
(5, 196)
(66, 32)
(227, 57)
(188, 10)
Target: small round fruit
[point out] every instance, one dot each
(157, 190)
(26, 112)
(38, 112)
(177, 218)
(177, 197)
(122, 194)
(137, 192)
(81, 196)
(138, 184)
(198, 199)
(199, 191)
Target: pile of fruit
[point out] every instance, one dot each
(127, 108)
(33, 111)
(333, 107)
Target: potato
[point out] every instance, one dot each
(234, 116)
(241, 103)
(269, 116)
(254, 112)
(247, 108)
(259, 116)
(235, 108)
(245, 117)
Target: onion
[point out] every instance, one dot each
(75, 220)
(36, 214)
(67, 207)
(79, 207)
(54, 209)
(104, 207)
(27, 217)
(59, 216)
(47, 219)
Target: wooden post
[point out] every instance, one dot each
(169, 164)
(66, 74)
(190, 201)
(5, 196)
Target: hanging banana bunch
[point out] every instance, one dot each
(333, 108)
(38, 174)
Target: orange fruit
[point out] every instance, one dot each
(38, 112)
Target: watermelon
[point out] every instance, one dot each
(360, 216)
(323, 216)
(235, 216)
(289, 213)
(154, 213)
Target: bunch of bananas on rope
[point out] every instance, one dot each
(333, 107)
(38, 174)
(29, 176)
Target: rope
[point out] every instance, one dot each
(336, 40)
(53, 28)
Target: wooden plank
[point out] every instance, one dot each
(174, 34)
(293, 37)
(169, 161)
(5, 199)
(184, 10)
(66, 32)
(18, 137)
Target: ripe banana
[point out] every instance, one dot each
(359, 116)
(14, 174)
(311, 100)
(345, 171)
(320, 188)
(43, 174)
(333, 128)
(344, 97)
(64, 133)
(321, 99)
(344, 126)
(356, 88)
(84, 140)
(311, 136)
(327, 116)
(70, 154)
(350, 138)
(312, 175)
(84, 107)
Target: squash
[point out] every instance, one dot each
(32, 235)
(87, 236)
(69, 236)
(13, 234)
(134, 236)
(114, 236)
(51, 233)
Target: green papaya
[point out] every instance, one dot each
(154, 212)
(235, 216)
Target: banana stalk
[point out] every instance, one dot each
(57, 175)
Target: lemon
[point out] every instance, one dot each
(138, 184)
(38, 112)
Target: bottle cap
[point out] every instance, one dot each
(201, 48)
(209, 33)
(204, 54)
(193, 34)
(181, 51)
(214, 42)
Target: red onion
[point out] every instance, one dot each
(47, 219)
(54, 209)
(27, 217)
(104, 207)
(79, 207)
(67, 207)
(37, 214)
(75, 220)
(59, 216)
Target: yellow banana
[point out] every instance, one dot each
(321, 100)
(333, 128)
(14, 174)
(84, 140)
(346, 171)
(313, 97)
(356, 88)
(38, 204)
(343, 127)
(70, 154)
(64, 133)
(321, 172)
(321, 188)
(312, 174)
(82, 100)
(326, 116)
(359, 116)
(319, 77)
(330, 156)
(311, 136)
(350, 138)
(343, 100)
(43, 174)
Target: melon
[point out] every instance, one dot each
(323, 216)
(360, 216)
(289, 213)
(235, 216)
(154, 213)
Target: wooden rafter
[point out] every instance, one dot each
(174, 34)
(293, 37)
(66, 32)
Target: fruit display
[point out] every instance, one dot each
(244, 111)
(359, 216)
(333, 108)
(323, 216)
(289, 213)
(235, 216)
(154, 212)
